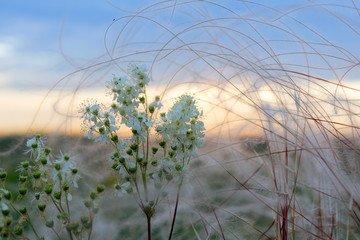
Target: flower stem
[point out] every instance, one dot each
(149, 227)
(176, 207)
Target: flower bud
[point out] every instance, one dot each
(142, 99)
(74, 170)
(18, 230)
(134, 131)
(5, 212)
(93, 195)
(100, 188)
(132, 170)
(162, 144)
(37, 136)
(178, 167)
(88, 203)
(84, 219)
(134, 147)
(139, 160)
(34, 145)
(151, 109)
(72, 226)
(57, 195)
(114, 166)
(115, 138)
(7, 195)
(23, 191)
(174, 147)
(168, 177)
(65, 187)
(43, 161)
(37, 175)
(50, 223)
(23, 210)
(154, 163)
(122, 160)
(66, 157)
(25, 164)
(48, 189)
(47, 151)
(37, 195)
(154, 150)
(57, 166)
(129, 152)
(42, 207)
(3, 176)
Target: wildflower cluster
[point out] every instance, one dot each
(161, 144)
(45, 183)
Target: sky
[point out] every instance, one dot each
(46, 45)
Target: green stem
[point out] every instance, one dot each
(176, 207)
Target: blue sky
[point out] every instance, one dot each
(43, 41)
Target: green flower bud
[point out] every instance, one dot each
(47, 151)
(88, 203)
(117, 187)
(140, 118)
(102, 130)
(8, 222)
(34, 145)
(134, 147)
(23, 210)
(142, 99)
(154, 150)
(192, 138)
(162, 115)
(113, 106)
(157, 98)
(62, 216)
(48, 189)
(134, 131)
(7, 196)
(100, 188)
(87, 225)
(57, 166)
(172, 154)
(154, 163)
(50, 223)
(72, 226)
(84, 219)
(139, 160)
(114, 166)
(74, 170)
(65, 187)
(132, 170)
(25, 164)
(66, 157)
(162, 144)
(174, 147)
(115, 138)
(93, 195)
(18, 230)
(37, 195)
(42, 207)
(145, 163)
(37, 136)
(122, 160)
(178, 167)
(37, 175)
(5, 212)
(151, 109)
(57, 195)
(23, 191)
(43, 161)
(3, 176)
(22, 179)
(129, 152)
(151, 203)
